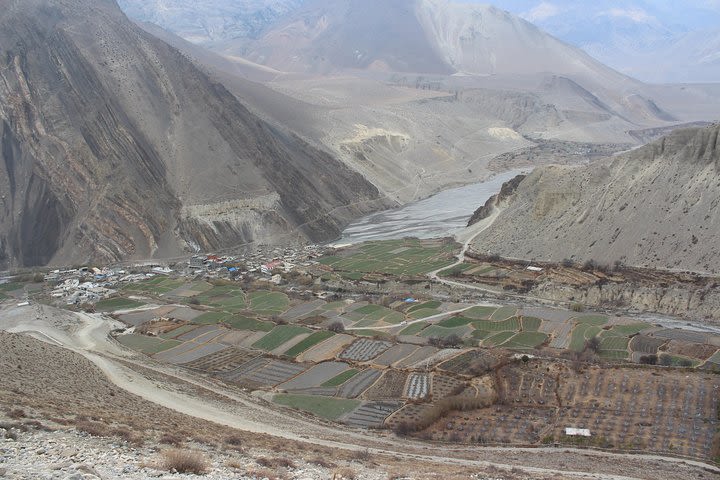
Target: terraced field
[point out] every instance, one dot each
(279, 335)
(418, 386)
(408, 257)
(113, 304)
(147, 345)
(364, 350)
(308, 343)
(329, 408)
(268, 303)
(371, 414)
(359, 383)
(158, 285)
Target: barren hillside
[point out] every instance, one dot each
(115, 146)
(655, 206)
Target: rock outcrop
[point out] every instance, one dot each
(657, 206)
(507, 189)
(115, 146)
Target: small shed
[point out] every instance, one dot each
(577, 432)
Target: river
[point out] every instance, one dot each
(441, 215)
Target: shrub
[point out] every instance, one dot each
(592, 344)
(171, 439)
(95, 429)
(337, 327)
(649, 359)
(184, 461)
(16, 414)
(194, 301)
(127, 435)
(577, 307)
(235, 440)
(275, 463)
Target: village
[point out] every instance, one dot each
(88, 285)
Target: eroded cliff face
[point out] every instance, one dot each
(657, 206)
(114, 146)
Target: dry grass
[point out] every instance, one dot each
(275, 463)
(345, 473)
(235, 464)
(127, 436)
(184, 461)
(16, 414)
(321, 462)
(95, 429)
(265, 473)
(171, 439)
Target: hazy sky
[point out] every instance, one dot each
(674, 14)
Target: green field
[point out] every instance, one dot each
(330, 408)
(10, 287)
(341, 378)
(145, 344)
(279, 335)
(526, 340)
(268, 303)
(441, 332)
(409, 257)
(210, 318)
(580, 334)
(178, 331)
(531, 324)
(512, 324)
(241, 322)
(614, 354)
(111, 304)
(453, 322)
(413, 329)
(480, 313)
(308, 343)
(503, 313)
(482, 334)
(434, 304)
(498, 339)
(369, 309)
(227, 297)
(614, 343)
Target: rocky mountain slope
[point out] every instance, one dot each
(420, 36)
(655, 206)
(115, 146)
(210, 21)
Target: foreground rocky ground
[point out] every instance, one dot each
(70, 455)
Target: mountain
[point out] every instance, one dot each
(420, 36)
(413, 133)
(115, 146)
(210, 21)
(656, 206)
(657, 42)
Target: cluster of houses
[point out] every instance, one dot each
(265, 261)
(91, 284)
(84, 285)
